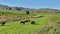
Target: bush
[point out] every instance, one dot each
(27, 12)
(3, 23)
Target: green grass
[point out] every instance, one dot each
(17, 28)
(55, 17)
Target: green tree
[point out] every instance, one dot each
(27, 12)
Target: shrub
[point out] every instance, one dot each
(27, 12)
(3, 23)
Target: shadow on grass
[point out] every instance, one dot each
(29, 24)
(5, 25)
(36, 24)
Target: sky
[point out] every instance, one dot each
(32, 3)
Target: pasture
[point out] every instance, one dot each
(13, 25)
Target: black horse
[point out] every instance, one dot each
(32, 22)
(27, 20)
(22, 22)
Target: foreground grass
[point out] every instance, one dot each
(53, 25)
(17, 28)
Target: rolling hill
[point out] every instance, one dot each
(29, 9)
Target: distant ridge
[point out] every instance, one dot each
(3, 6)
(16, 8)
(29, 9)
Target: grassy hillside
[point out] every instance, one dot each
(13, 25)
(53, 25)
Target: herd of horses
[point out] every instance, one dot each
(21, 22)
(24, 21)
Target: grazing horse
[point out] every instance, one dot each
(32, 22)
(27, 20)
(22, 22)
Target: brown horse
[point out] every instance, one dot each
(32, 22)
